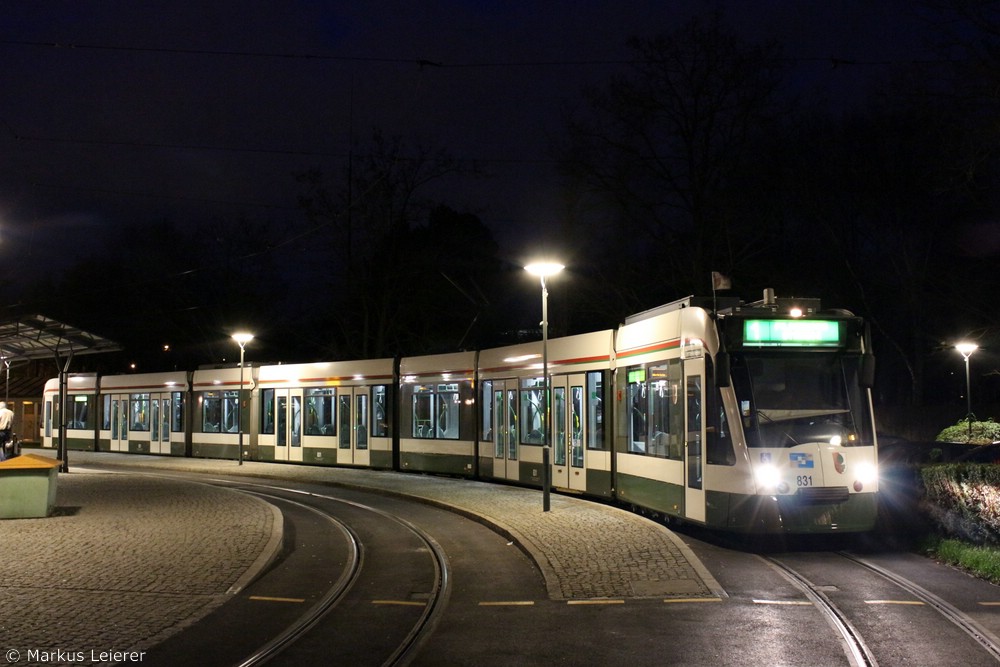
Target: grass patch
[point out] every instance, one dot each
(982, 562)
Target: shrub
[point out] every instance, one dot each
(982, 432)
(964, 499)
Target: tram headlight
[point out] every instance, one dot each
(865, 475)
(767, 475)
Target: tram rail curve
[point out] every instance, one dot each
(437, 596)
(857, 650)
(984, 637)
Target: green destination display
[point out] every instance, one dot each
(778, 333)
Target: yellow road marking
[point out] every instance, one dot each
(676, 600)
(792, 603)
(507, 603)
(915, 603)
(990, 604)
(595, 601)
(264, 598)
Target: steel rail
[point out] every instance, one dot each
(334, 594)
(983, 636)
(421, 630)
(854, 645)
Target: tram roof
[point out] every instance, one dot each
(40, 337)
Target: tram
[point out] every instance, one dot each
(750, 418)
(747, 417)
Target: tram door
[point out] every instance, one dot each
(694, 491)
(156, 421)
(119, 422)
(505, 430)
(288, 425)
(568, 425)
(353, 409)
(159, 423)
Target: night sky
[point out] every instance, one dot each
(197, 111)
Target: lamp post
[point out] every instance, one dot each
(966, 349)
(241, 339)
(543, 270)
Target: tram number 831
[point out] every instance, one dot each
(804, 480)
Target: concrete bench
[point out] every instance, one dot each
(28, 486)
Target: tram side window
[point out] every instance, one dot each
(720, 440)
(432, 410)
(448, 410)
(81, 413)
(595, 410)
(177, 412)
(361, 420)
(320, 416)
(656, 413)
(267, 411)
(532, 411)
(106, 412)
(165, 422)
(155, 420)
(636, 408)
(694, 451)
(666, 412)
(422, 420)
(121, 419)
(220, 411)
(139, 412)
(719, 448)
(380, 411)
(345, 420)
(211, 412)
(231, 411)
(486, 428)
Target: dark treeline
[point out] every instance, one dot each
(698, 157)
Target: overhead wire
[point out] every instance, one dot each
(422, 64)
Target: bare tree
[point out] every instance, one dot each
(655, 153)
(369, 296)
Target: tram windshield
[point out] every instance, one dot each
(787, 399)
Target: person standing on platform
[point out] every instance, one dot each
(6, 431)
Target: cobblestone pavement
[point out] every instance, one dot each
(124, 561)
(127, 560)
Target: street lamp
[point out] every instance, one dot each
(966, 349)
(241, 339)
(543, 270)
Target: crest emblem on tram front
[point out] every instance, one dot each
(839, 463)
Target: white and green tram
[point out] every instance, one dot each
(750, 417)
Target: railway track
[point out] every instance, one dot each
(336, 547)
(861, 645)
(985, 638)
(309, 626)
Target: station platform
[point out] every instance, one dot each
(129, 558)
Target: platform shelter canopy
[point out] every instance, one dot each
(39, 337)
